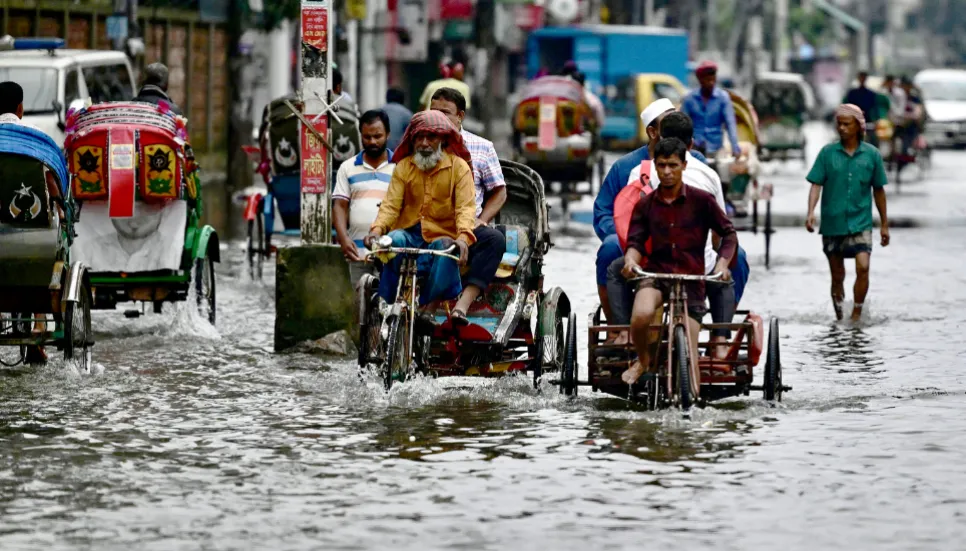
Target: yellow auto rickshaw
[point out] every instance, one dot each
(625, 102)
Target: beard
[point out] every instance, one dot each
(426, 160)
(375, 151)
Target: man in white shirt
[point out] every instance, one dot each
(360, 186)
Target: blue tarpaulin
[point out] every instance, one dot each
(23, 140)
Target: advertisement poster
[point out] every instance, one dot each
(315, 59)
(315, 40)
(314, 158)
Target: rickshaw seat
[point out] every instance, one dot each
(517, 249)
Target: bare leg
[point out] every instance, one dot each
(861, 288)
(646, 304)
(470, 293)
(694, 327)
(605, 307)
(837, 266)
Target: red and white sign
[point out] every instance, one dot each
(315, 166)
(456, 9)
(315, 27)
(529, 17)
(122, 176)
(547, 128)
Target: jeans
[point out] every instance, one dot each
(485, 256)
(442, 275)
(609, 250)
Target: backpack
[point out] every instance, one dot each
(627, 199)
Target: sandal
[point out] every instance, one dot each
(458, 318)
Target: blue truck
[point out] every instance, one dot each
(612, 57)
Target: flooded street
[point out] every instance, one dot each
(193, 437)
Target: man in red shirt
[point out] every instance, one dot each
(677, 219)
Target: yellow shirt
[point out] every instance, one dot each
(443, 200)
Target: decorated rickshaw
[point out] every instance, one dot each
(45, 291)
(277, 156)
(138, 188)
(516, 326)
(557, 133)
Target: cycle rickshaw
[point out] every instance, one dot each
(515, 326)
(42, 283)
(139, 194)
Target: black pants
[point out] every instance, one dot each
(485, 256)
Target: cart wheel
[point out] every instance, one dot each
(78, 335)
(397, 359)
(256, 245)
(371, 324)
(773, 364)
(205, 287)
(18, 329)
(568, 376)
(682, 365)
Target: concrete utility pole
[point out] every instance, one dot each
(780, 56)
(486, 41)
(648, 12)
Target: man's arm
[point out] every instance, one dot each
(604, 203)
(816, 176)
(465, 204)
(721, 225)
(493, 205)
(879, 181)
(492, 180)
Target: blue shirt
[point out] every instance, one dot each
(399, 117)
(612, 185)
(708, 117)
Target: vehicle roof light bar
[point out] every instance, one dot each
(8, 43)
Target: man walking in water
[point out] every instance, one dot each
(847, 175)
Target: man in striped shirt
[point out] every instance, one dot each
(486, 253)
(360, 186)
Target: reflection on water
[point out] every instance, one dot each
(847, 349)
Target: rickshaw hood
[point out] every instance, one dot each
(30, 142)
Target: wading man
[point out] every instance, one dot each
(847, 175)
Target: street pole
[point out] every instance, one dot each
(239, 118)
(780, 57)
(486, 11)
(317, 23)
(648, 12)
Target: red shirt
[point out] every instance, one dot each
(679, 232)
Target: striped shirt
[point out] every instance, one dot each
(487, 174)
(364, 187)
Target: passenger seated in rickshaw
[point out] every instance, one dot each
(722, 298)
(431, 204)
(155, 87)
(694, 213)
(616, 180)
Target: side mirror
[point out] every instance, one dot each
(59, 109)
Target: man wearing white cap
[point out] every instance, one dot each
(616, 179)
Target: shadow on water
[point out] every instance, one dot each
(846, 350)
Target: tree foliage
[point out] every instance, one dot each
(814, 25)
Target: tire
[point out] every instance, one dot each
(204, 282)
(15, 329)
(568, 375)
(370, 327)
(78, 335)
(396, 364)
(682, 366)
(773, 364)
(256, 246)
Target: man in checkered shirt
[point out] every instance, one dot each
(488, 177)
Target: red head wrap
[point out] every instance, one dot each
(437, 123)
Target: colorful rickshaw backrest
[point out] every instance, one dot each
(283, 136)
(125, 151)
(571, 107)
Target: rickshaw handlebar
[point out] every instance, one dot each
(676, 277)
(447, 253)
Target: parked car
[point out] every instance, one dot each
(944, 97)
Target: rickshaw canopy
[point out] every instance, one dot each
(30, 142)
(554, 86)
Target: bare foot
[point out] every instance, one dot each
(856, 312)
(622, 338)
(719, 352)
(839, 314)
(633, 373)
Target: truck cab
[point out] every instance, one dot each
(54, 79)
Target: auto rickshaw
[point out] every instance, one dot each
(624, 104)
(783, 102)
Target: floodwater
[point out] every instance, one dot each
(193, 437)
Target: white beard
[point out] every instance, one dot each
(428, 162)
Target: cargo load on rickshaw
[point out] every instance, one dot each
(138, 187)
(45, 290)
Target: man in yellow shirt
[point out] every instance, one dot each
(430, 204)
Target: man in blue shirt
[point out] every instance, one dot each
(399, 116)
(612, 185)
(710, 107)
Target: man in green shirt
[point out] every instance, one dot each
(851, 174)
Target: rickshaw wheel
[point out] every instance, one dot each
(78, 335)
(256, 246)
(773, 364)
(205, 287)
(683, 367)
(395, 363)
(371, 324)
(568, 375)
(20, 329)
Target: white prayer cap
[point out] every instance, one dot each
(655, 110)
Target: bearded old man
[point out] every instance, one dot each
(431, 204)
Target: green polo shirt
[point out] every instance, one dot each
(847, 182)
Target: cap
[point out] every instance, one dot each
(655, 110)
(706, 67)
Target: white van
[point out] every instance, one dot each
(54, 79)
(944, 97)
